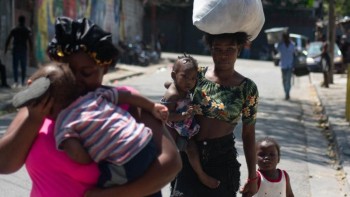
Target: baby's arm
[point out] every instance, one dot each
(174, 116)
(158, 110)
(170, 99)
(75, 150)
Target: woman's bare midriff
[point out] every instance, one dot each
(211, 128)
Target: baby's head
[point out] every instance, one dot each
(268, 153)
(53, 79)
(184, 72)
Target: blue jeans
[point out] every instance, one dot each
(286, 80)
(19, 56)
(112, 174)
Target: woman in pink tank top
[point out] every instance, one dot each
(29, 138)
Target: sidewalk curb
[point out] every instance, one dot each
(318, 175)
(339, 138)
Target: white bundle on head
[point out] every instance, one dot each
(229, 16)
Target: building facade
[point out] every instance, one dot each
(123, 18)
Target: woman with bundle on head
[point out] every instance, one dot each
(221, 98)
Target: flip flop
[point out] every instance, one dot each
(32, 92)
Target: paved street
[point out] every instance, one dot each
(305, 147)
(294, 124)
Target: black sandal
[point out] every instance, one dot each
(32, 92)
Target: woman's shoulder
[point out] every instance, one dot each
(202, 69)
(244, 81)
(249, 82)
(249, 86)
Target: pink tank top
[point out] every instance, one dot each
(52, 172)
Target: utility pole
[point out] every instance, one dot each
(345, 24)
(347, 101)
(154, 29)
(331, 38)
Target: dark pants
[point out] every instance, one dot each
(325, 63)
(19, 57)
(112, 174)
(286, 80)
(3, 74)
(219, 160)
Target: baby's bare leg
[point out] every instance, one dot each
(193, 157)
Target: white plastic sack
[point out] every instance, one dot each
(229, 16)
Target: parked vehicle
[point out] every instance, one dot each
(314, 63)
(137, 53)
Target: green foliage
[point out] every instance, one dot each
(342, 7)
(289, 3)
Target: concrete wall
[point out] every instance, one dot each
(6, 24)
(182, 36)
(132, 12)
(104, 13)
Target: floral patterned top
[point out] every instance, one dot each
(226, 103)
(188, 127)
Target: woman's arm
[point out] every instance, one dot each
(248, 137)
(135, 99)
(20, 135)
(161, 172)
(158, 110)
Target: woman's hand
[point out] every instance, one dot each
(249, 188)
(248, 138)
(161, 112)
(188, 113)
(41, 109)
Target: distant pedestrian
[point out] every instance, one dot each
(271, 180)
(325, 60)
(22, 36)
(245, 53)
(3, 76)
(286, 48)
(345, 50)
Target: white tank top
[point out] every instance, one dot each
(272, 188)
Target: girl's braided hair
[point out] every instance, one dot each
(185, 59)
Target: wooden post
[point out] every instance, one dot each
(154, 30)
(347, 100)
